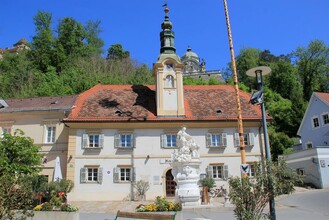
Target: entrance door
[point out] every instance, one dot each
(170, 184)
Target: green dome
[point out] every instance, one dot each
(190, 55)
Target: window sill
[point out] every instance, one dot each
(92, 148)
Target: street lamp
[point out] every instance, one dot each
(257, 99)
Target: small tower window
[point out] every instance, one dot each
(170, 81)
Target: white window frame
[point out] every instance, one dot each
(212, 142)
(91, 174)
(252, 169)
(88, 141)
(217, 171)
(124, 174)
(169, 140)
(315, 124)
(325, 119)
(120, 141)
(50, 136)
(249, 139)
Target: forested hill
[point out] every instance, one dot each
(70, 60)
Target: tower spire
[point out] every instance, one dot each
(167, 36)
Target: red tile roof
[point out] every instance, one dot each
(323, 96)
(39, 104)
(134, 103)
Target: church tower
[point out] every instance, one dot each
(168, 75)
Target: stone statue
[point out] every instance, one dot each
(187, 148)
(186, 169)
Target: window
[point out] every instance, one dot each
(315, 121)
(325, 119)
(217, 171)
(50, 134)
(124, 141)
(248, 139)
(309, 145)
(300, 171)
(92, 141)
(251, 170)
(216, 140)
(123, 174)
(91, 174)
(168, 140)
(6, 130)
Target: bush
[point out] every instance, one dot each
(68, 208)
(46, 207)
(208, 182)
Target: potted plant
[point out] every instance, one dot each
(207, 183)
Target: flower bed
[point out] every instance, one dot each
(160, 205)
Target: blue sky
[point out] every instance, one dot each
(277, 25)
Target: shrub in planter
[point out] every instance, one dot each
(68, 208)
(46, 207)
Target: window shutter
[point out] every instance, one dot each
(225, 173)
(209, 172)
(133, 174)
(85, 141)
(132, 141)
(251, 139)
(236, 140)
(208, 139)
(163, 140)
(117, 140)
(100, 175)
(224, 140)
(101, 140)
(116, 174)
(83, 173)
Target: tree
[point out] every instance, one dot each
(313, 67)
(116, 52)
(43, 41)
(94, 42)
(251, 195)
(20, 159)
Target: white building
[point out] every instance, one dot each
(312, 158)
(120, 133)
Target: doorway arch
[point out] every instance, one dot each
(170, 184)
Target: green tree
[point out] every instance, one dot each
(20, 159)
(116, 52)
(43, 41)
(94, 42)
(313, 67)
(280, 144)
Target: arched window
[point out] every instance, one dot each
(170, 81)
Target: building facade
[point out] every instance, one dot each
(311, 158)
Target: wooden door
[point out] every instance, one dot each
(170, 184)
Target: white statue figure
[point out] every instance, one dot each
(187, 148)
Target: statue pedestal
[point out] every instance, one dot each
(187, 175)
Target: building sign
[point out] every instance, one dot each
(245, 168)
(165, 161)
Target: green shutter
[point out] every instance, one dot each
(117, 140)
(101, 140)
(163, 140)
(132, 141)
(251, 139)
(225, 173)
(116, 174)
(209, 172)
(224, 140)
(100, 175)
(236, 140)
(83, 173)
(85, 141)
(208, 139)
(133, 174)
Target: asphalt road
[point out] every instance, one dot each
(309, 205)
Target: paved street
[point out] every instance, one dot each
(303, 205)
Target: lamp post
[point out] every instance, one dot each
(257, 99)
